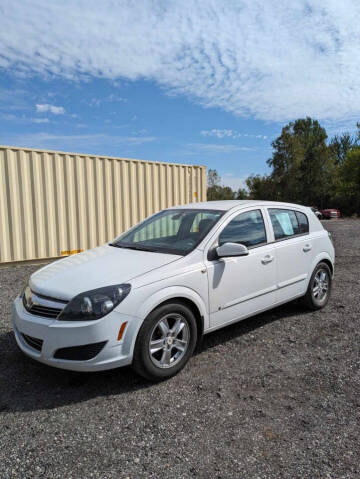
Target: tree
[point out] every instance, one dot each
(348, 188)
(213, 178)
(306, 169)
(341, 145)
(213, 185)
(214, 189)
(226, 193)
(301, 164)
(241, 194)
(261, 188)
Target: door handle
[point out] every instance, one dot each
(307, 248)
(267, 259)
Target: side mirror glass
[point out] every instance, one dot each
(231, 249)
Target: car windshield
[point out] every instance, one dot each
(176, 231)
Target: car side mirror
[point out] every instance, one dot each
(227, 250)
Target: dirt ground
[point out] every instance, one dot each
(275, 396)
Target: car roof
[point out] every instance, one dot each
(225, 205)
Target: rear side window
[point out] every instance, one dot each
(287, 223)
(284, 223)
(303, 222)
(247, 229)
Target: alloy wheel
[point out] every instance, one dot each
(320, 285)
(169, 340)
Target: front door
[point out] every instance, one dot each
(240, 286)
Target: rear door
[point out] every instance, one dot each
(293, 251)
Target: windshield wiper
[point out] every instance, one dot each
(136, 247)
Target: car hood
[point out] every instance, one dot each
(101, 266)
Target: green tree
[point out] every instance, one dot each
(214, 189)
(261, 188)
(341, 145)
(241, 194)
(213, 184)
(213, 178)
(226, 193)
(306, 169)
(348, 187)
(301, 164)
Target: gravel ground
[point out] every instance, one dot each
(275, 396)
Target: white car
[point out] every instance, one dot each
(147, 297)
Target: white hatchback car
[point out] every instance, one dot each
(147, 298)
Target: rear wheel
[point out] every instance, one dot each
(165, 342)
(319, 288)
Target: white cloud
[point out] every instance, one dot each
(39, 120)
(216, 148)
(271, 60)
(112, 98)
(74, 142)
(22, 119)
(95, 102)
(44, 108)
(230, 134)
(220, 133)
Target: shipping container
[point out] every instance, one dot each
(55, 204)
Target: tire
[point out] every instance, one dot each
(172, 330)
(315, 299)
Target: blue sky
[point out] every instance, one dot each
(203, 82)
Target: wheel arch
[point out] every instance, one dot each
(323, 257)
(184, 295)
(329, 263)
(194, 309)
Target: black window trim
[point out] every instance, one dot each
(291, 236)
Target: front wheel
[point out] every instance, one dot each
(319, 288)
(165, 342)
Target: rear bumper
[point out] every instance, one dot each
(53, 335)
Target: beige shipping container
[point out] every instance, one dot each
(55, 204)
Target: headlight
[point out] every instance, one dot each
(94, 304)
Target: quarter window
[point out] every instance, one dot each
(247, 229)
(303, 222)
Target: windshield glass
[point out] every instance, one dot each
(176, 231)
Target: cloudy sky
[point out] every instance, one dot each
(205, 82)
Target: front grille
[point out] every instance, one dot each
(41, 310)
(35, 343)
(80, 353)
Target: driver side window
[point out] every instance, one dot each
(246, 228)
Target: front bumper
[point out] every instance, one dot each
(57, 335)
